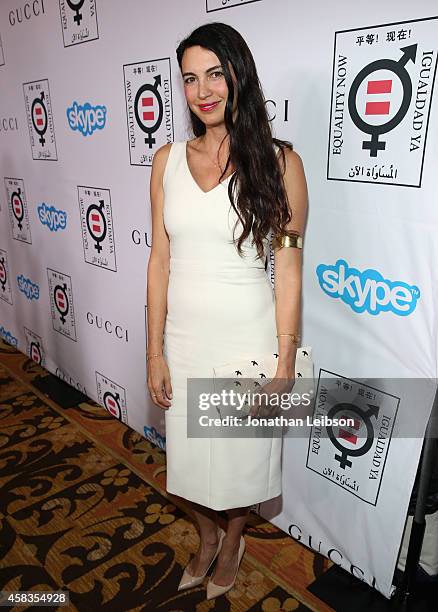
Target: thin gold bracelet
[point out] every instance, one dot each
(153, 355)
(296, 338)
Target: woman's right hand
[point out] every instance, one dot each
(158, 381)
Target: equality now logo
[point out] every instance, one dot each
(367, 291)
(86, 118)
(52, 217)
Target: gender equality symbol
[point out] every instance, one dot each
(3, 274)
(39, 117)
(112, 403)
(35, 352)
(76, 7)
(17, 207)
(362, 416)
(399, 69)
(96, 223)
(61, 301)
(144, 117)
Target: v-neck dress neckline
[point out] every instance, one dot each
(221, 183)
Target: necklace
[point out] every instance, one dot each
(215, 163)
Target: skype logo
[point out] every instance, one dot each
(8, 337)
(31, 290)
(52, 217)
(367, 291)
(86, 118)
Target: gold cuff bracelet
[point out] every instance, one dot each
(287, 240)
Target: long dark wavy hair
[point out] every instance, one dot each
(261, 203)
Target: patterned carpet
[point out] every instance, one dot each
(83, 508)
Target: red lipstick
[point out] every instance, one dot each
(208, 107)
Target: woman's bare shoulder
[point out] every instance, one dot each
(161, 154)
(293, 159)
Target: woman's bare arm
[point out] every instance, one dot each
(288, 267)
(159, 262)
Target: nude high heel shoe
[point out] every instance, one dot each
(188, 581)
(214, 590)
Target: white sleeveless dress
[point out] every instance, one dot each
(217, 305)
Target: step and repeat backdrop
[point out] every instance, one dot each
(90, 90)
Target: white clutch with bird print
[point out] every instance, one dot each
(259, 370)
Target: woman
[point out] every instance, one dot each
(209, 297)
